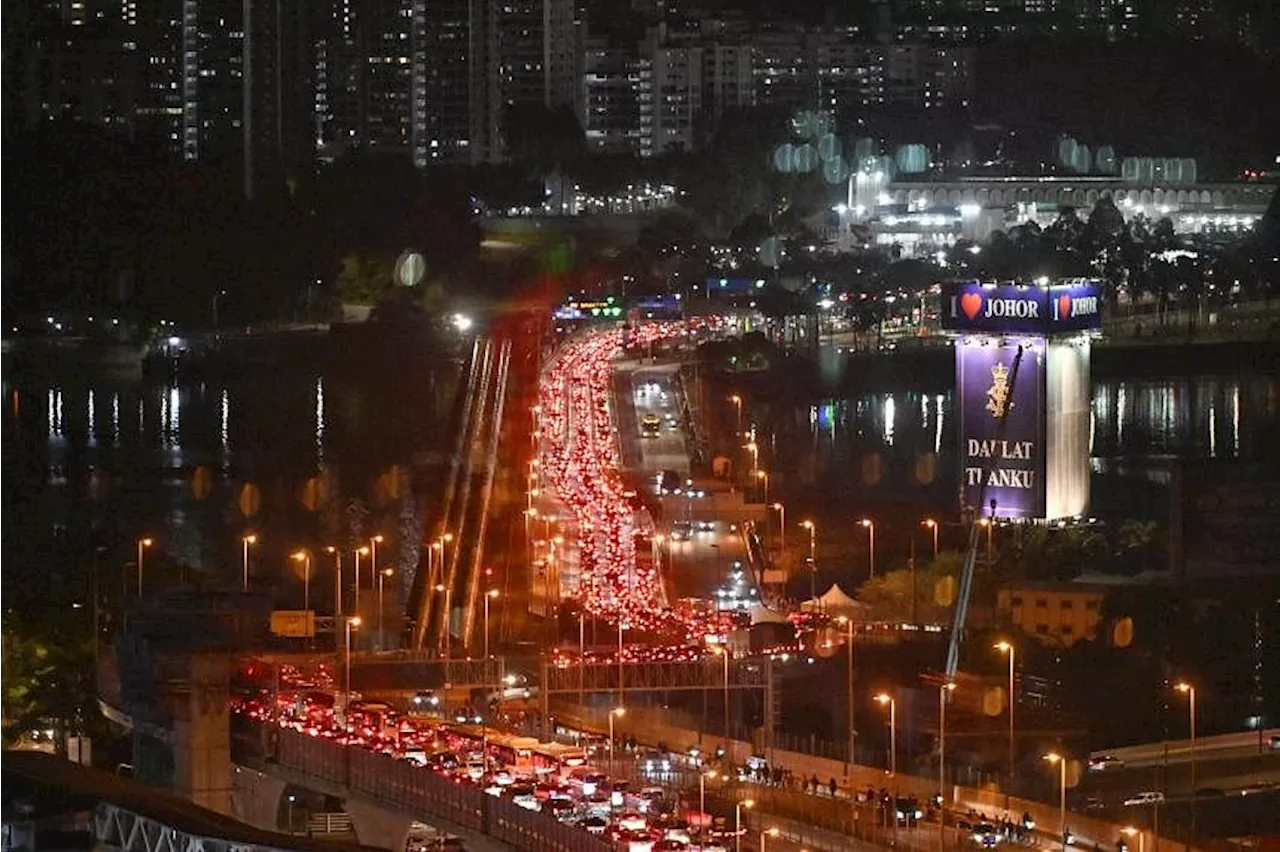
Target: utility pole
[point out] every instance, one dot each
(911, 564)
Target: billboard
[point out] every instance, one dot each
(971, 306)
(1002, 461)
(1075, 306)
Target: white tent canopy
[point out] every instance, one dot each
(761, 614)
(836, 602)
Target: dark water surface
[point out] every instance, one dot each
(301, 446)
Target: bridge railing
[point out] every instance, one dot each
(410, 789)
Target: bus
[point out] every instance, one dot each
(557, 758)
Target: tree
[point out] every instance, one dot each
(365, 280)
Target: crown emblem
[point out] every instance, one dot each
(998, 400)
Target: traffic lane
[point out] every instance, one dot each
(1242, 742)
(1202, 757)
(1177, 777)
(1223, 816)
(703, 564)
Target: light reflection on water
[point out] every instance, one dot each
(122, 454)
(1195, 417)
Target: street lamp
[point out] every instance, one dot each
(886, 699)
(723, 653)
(448, 614)
(990, 525)
(1006, 647)
(737, 401)
(944, 695)
(1130, 831)
(360, 551)
(747, 804)
(382, 575)
(1061, 761)
(813, 561)
(613, 714)
(443, 541)
(305, 558)
(245, 542)
(374, 541)
(933, 527)
(1190, 691)
(143, 544)
(763, 476)
(754, 448)
(848, 638)
(769, 832)
(488, 596)
(352, 623)
(871, 553)
(702, 796)
(782, 528)
(337, 580)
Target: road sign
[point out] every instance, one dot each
(294, 622)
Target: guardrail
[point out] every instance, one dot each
(411, 789)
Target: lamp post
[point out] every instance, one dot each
(848, 638)
(360, 551)
(737, 402)
(448, 615)
(352, 623)
(337, 580)
(374, 541)
(886, 698)
(813, 561)
(702, 796)
(871, 553)
(754, 448)
(488, 596)
(382, 575)
(444, 540)
(745, 804)
(990, 525)
(1061, 761)
(782, 527)
(763, 476)
(305, 558)
(933, 527)
(143, 544)
(582, 651)
(613, 714)
(1190, 691)
(1006, 647)
(767, 832)
(1130, 831)
(723, 653)
(245, 543)
(944, 695)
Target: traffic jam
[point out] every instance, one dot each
(564, 781)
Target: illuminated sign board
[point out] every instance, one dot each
(575, 309)
(1002, 462)
(1072, 306)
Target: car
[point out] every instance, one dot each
(681, 531)
(1149, 797)
(705, 526)
(1275, 742)
(986, 835)
(650, 425)
(1258, 787)
(1105, 762)
(909, 812)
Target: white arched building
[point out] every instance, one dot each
(924, 216)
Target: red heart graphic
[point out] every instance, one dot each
(971, 303)
(1064, 307)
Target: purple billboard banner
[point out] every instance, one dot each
(971, 306)
(996, 308)
(1075, 306)
(1008, 460)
